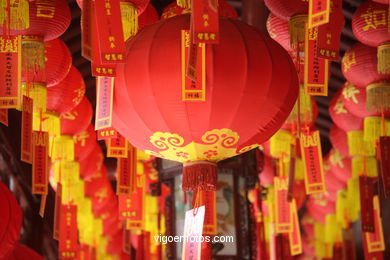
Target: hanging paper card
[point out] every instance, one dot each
(27, 125)
(312, 161)
(366, 188)
(57, 212)
(40, 162)
(105, 70)
(193, 90)
(316, 69)
(87, 24)
(209, 200)
(104, 95)
(295, 235)
(136, 220)
(375, 241)
(42, 205)
(10, 78)
(384, 146)
(283, 220)
(127, 173)
(193, 227)
(319, 11)
(106, 133)
(117, 147)
(4, 116)
(204, 21)
(328, 41)
(68, 246)
(109, 25)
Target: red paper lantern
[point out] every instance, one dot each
(76, 120)
(104, 200)
(149, 16)
(286, 9)
(359, 65)
(339, 140)
(382, 1)
(224, 10)
(95, 181)
(22, 252)
(92, 164)
(111, 223)
(340, 165)
(230, 121)
(66, 95)
(319, 207)
(279, 31)
(333, 184)
(84, 143)
(115, 243)
(370, 26)
(10, 221)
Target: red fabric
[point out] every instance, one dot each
(78, 119)
(92, 164)
(252, 101)
(286, 9)
(21, 252)
(149, 16)
(339, 140)
(278, 30)
(10, 221)
(375, 34)
(66, 95)
(84, 143)
(362, 60)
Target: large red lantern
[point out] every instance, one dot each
(22, 252)
(67, 94)
(286, 9)
(78, 119)
(84, 143)
(279, 31)
(149, 16)
(10, 221)
(339, 140)
(370, 26)
(230, 121)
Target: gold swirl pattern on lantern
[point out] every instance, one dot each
(216, 145)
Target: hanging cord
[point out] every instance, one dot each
(196, 201)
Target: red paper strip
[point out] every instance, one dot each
(104, 96)
(40, 162)
(10, 78)
(374, 240)
(4, 116)
(204, 21)
(209, 200)
(87, 24)
(366, 188)
(42, 205)
(319, 11)
(27, 128)
(295, 235)
(57, 212)
(193, 90)
(127, 173)
(316, 69)
(109, 25)
(384, 149)
(135, 208)
(193, 227)
(283, 220)
(127, 242)
(106, 133)
(117, 147)
(68, 246)
(312, 161)
(328, 40)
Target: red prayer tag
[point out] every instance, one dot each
(208, 199)
(328, 40)
(193, 90)
(312, 162)
(40, 162)
(204, 21)
(87, 24)
(384, 149)
(57, 212)
(108, 21)
(10, 78)
(374, 240)
(283, 223)
(316, 74)
(117, 147)
(27, 128)
(136, 213)
(295, 235)
(366, 188)
(106, 133)
(193, 227)
(105, 94)
(4, 116)
(127, 173)
(319, 11)
(68, 246)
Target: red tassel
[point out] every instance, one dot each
(201, 174)
(207, 253)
